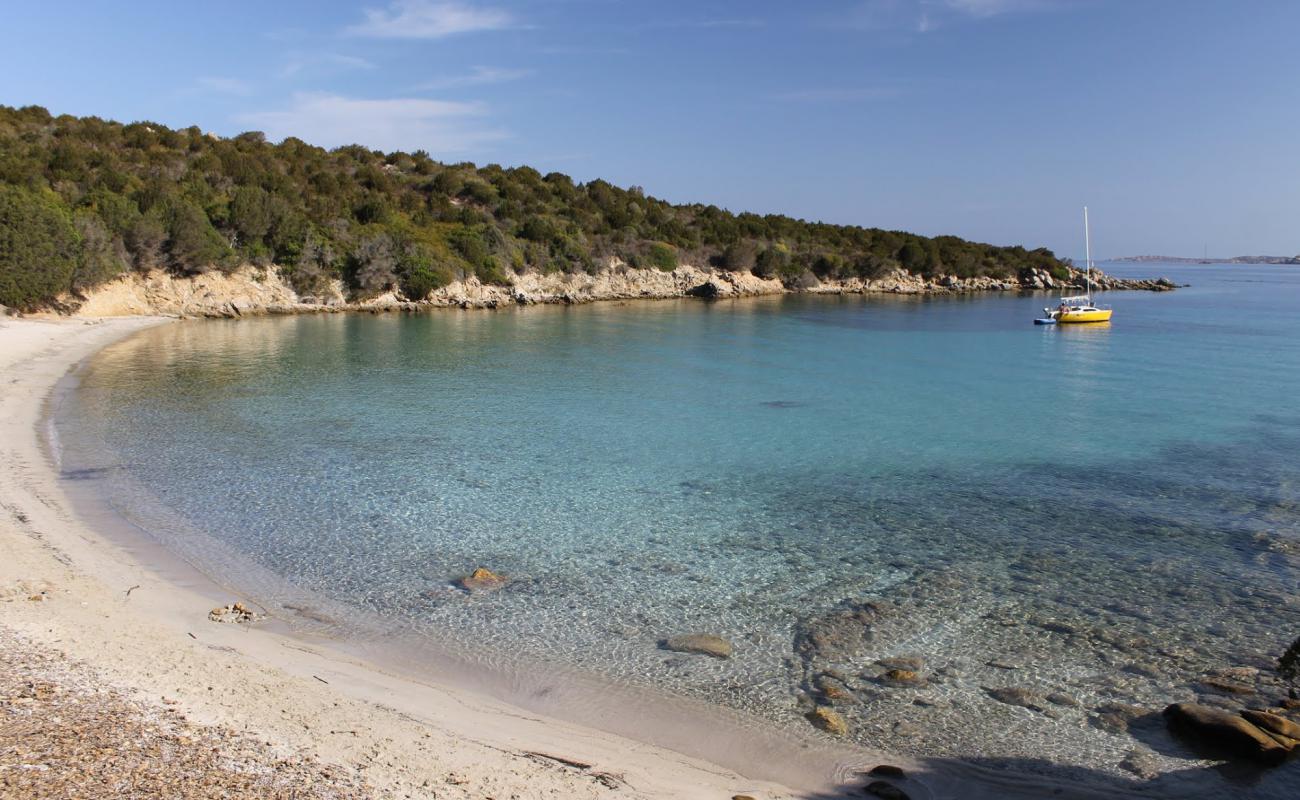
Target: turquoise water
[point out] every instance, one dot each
(1107, 512)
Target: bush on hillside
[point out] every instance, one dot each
(39, 247)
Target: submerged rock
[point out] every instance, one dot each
(1117, 717)
(838, 635)
(902, 677)
(828, 719)
(912, 663)
(832, 688)
(482, 579)
(1227, 686)
(1141, 763)
(1063, 699)
(1016, 696)
(705, 644)
(1224, 731)
(887, 791)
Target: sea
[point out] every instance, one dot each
(1053, 531)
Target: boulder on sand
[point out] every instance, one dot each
(1224, 731)
(705, 644)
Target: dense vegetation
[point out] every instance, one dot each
(83, 199)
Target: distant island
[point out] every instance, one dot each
(1233, 260)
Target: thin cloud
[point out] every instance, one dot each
(403, 123)
(837, 95)
(426, 19)
(747, 22)
(318, 63)
(584, 50)
(992, 8)
(232, 86)
(924, 16)
(477, 76)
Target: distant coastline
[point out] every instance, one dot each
(1233, 260)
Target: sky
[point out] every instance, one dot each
(1176, 121)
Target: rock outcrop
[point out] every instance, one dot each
(263, 290)
(1221, 730)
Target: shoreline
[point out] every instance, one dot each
(158, 643)
(150, 638)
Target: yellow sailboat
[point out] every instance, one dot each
(1080, 308)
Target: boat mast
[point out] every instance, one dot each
(1087, 249)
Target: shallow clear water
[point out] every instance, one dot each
(1106, 512)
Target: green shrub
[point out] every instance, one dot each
(420, 282)
(39, 247)
(420, 272)
(489, 270)
(772, 262)
(662, 256)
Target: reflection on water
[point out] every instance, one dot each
(1058, 528)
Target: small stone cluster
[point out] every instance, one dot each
(234, 613)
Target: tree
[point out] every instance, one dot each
(38, 247)
(145, 240)
(193, 245)
(739, 255)
(374, 264)
(250, 213)
(912, 256)
(102, 256)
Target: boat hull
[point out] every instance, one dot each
(1078, 317)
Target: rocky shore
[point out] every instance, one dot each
(257, 290)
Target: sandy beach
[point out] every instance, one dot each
(93, 619)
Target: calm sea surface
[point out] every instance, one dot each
(1109, 513)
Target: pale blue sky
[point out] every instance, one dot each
(1176, 121)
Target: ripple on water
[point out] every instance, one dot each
(634, 483)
